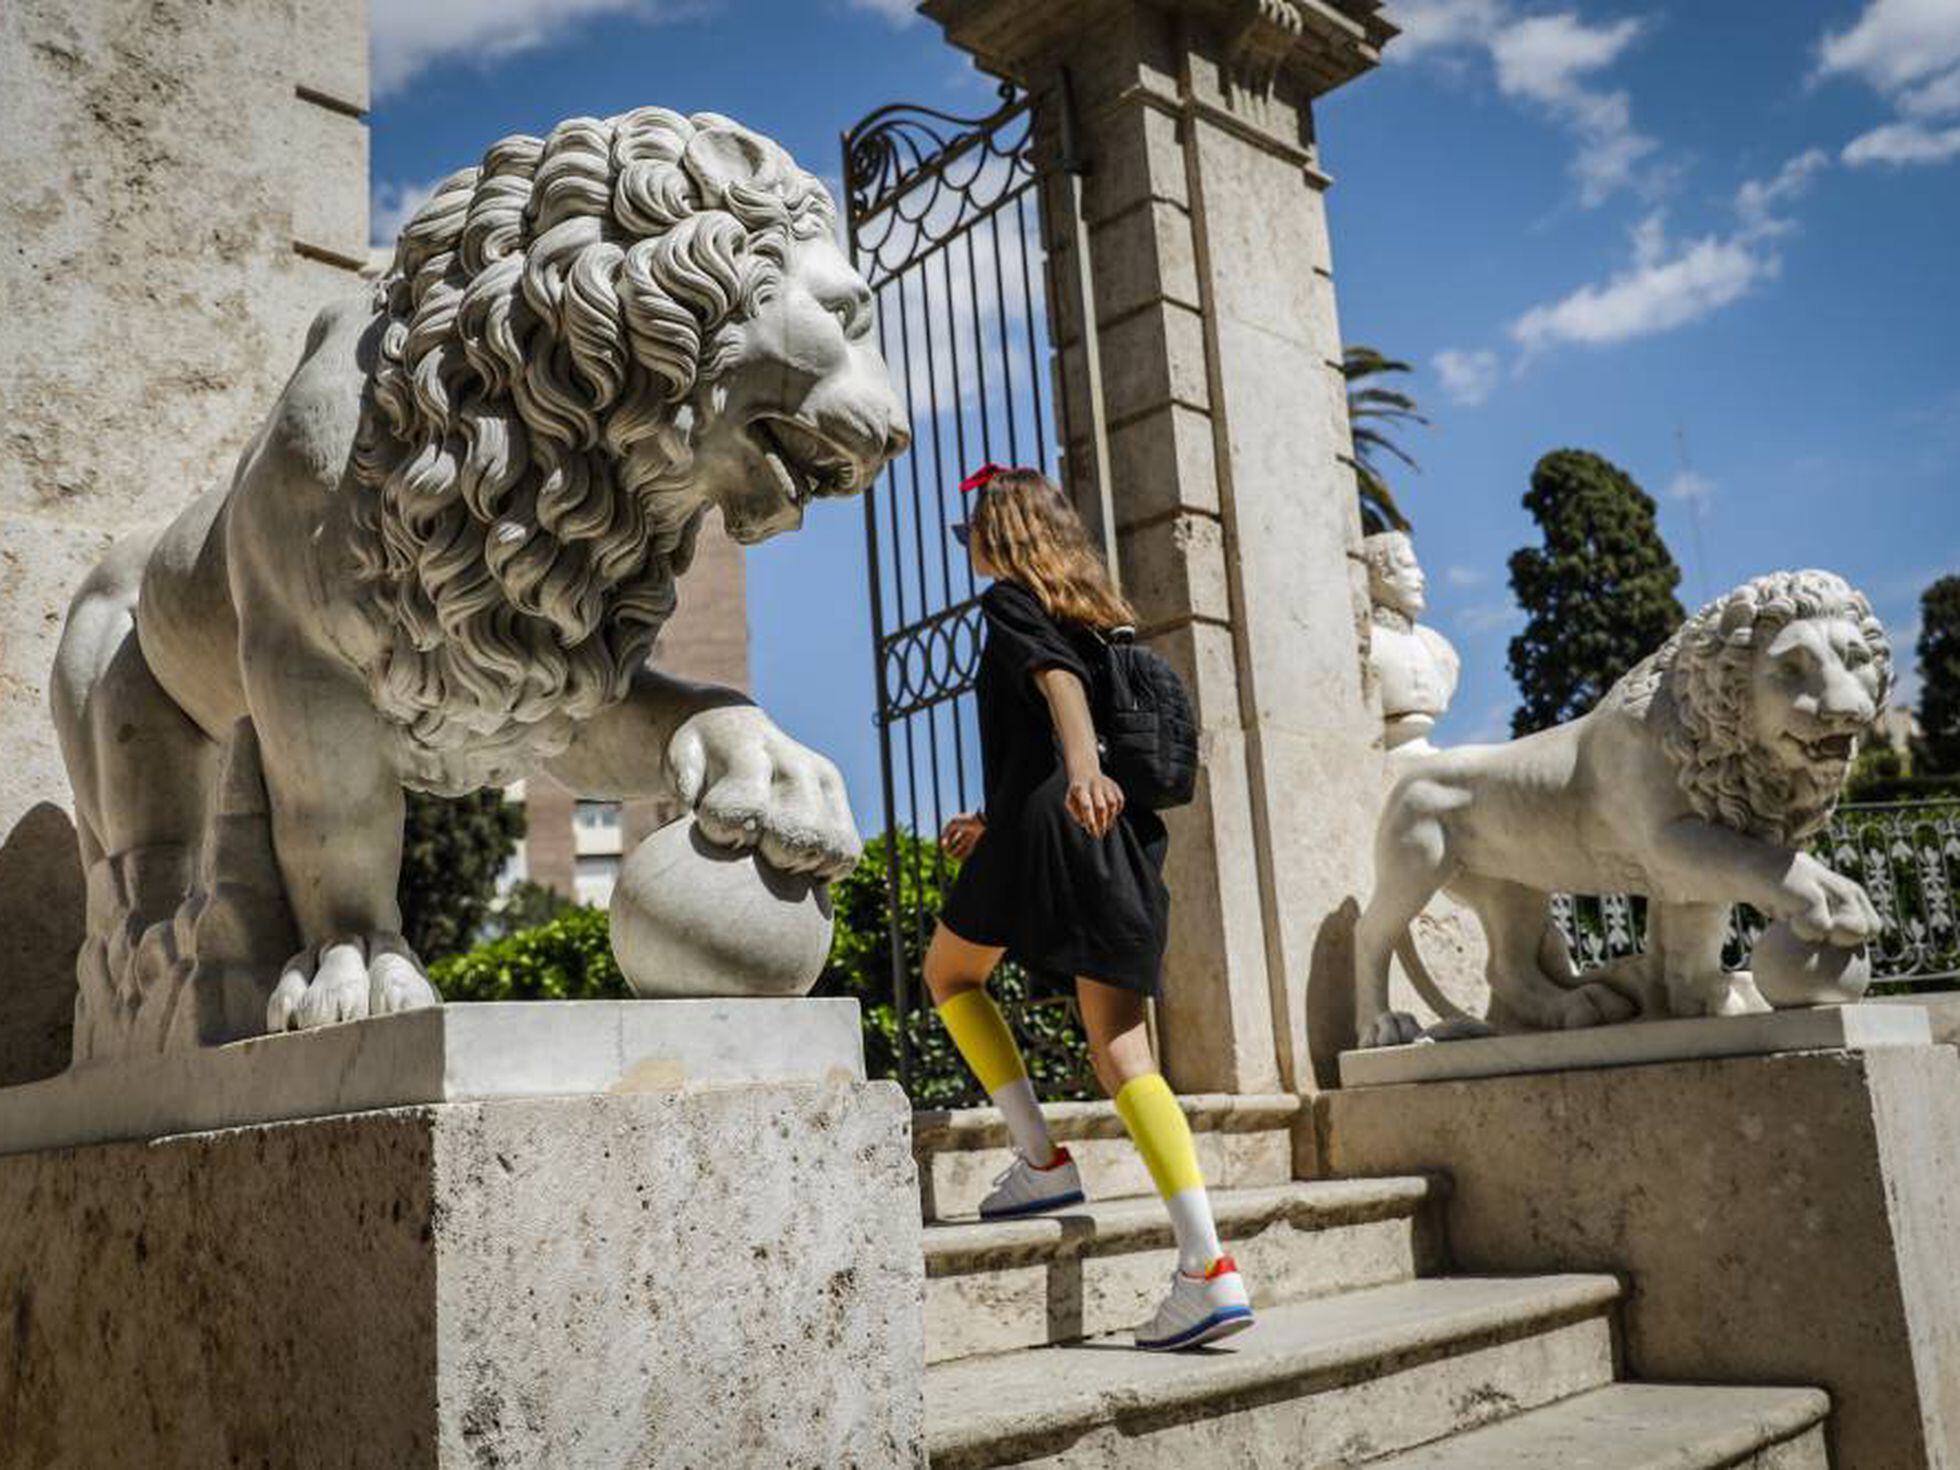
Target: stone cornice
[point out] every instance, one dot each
(1322, 42)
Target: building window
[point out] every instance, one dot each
(593, 878)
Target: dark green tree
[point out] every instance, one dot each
(1373, 411)
(1598, 595)
(1938, 752)
(452, 851)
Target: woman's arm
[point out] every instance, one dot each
(1094, 800)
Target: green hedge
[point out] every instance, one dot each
(570, 958)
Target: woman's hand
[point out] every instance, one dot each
(1095, 802)
(963, 834)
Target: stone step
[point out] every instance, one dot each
(1242, 1141)
(992, 1286)
(1337, 1381)
(1645, 1426)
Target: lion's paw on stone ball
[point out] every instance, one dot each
(692, 918)
(1792, 971)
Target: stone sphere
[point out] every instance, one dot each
(690, 918)
(1800, 972)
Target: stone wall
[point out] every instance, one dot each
(727, 1276)
(1789, 1219)
(182, 183)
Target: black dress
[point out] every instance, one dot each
(1061, 902)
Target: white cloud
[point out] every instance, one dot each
(1895, 43)
(1548, 61)
(1463, 576)
(898, 12)
(1691, 486)
(1909, 50)
(1669, 285)
(1757, 200)
(1901, 144)
(1490, 617)
(1429, 25)
(408, 36)
(1467, 377)
(392, 205)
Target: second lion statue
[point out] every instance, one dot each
(1695, 782)
(443, 561)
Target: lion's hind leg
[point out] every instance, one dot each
(141, 770)
(1525, 965)
(1412, 862)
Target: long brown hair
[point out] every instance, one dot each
(1026, 530)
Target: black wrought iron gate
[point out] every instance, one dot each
(944, 221)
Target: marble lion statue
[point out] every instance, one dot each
(1695, 782)
(442, 563)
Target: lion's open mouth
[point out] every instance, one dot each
(806, 464)
(1826, 749)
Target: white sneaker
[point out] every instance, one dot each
(1026, 1190)
(1200, 1309)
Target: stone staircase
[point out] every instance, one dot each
(1366, 1351)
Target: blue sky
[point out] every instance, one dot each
(1717, 241)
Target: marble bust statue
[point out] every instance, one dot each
(1415, 666)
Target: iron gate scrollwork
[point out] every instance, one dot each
(943, 216)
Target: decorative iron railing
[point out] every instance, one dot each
(1907, 856)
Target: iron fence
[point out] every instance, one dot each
(1905, 854)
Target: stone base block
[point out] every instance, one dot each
(1781, 1219)
(453, 1053)
(704, 1277)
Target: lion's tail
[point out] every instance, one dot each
(1425, 983)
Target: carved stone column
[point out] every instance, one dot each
(1229, 460)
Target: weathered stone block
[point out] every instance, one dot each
(1790, 1218)
(724, 1276)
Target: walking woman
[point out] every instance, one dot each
(1062, 875)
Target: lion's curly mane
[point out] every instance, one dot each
(550, 336)
(1696, 688)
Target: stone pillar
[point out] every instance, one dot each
(1230, 458)
(183, 184)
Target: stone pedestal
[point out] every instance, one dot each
(696, 1266)
(1230, 465)
(1789, 1217)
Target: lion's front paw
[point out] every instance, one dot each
(346, 980)
(751, 786)
(1594, 1005)
(1825, 906)
(1392, 1028)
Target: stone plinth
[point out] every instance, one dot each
(1852, 1028)
(1790, 1218)
(714, 1274)
(454, 1053)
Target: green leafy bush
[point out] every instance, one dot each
(570, 958)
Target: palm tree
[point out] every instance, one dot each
(1372, 411)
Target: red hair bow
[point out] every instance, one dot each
(979, 479)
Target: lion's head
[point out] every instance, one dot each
(581, 346)
(1762, 697)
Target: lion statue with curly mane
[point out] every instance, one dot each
(1695, 782)
(442, 563)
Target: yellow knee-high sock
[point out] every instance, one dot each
(1157, 1126)
(986, 1044)
(980, 1032)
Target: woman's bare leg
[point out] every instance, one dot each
(956, 974)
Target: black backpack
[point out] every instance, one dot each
(1147, 730)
